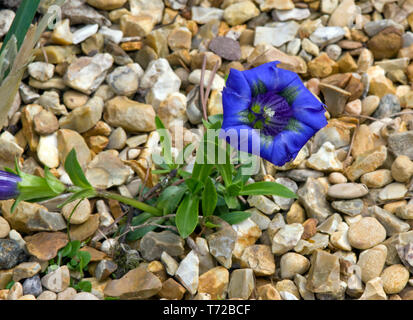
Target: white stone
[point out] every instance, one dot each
(263, 204)
(6, 20)
(294, 46)
(105, 217)
(285, 32)
(217, 84)
(82, 34)
(293, 14)
(170, 263)
(47, 150)
(325, 159)
(203, 15)
(112, 34)
(160, 80)
(188, 272)
(326, 35)
(287, 238)
(41, 71)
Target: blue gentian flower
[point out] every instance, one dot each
(272, 110)
(8, 185)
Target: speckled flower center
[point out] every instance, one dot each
(269, 112)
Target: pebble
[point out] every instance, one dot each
(81, 214)
(377, 179)
(138, 283)
(241, 284)
(395, 278)
(260, 259)
(83, 33)
(313, 198)
(160, 81)
(226, 48)
(188, 272)
(240, 12)
(41, 71)
(6, 18)
(57, 280)
(327, 35)
(214, 282)
(153, 244)
(366, 233)
(349, 207)
(287, 238)
(287, 32)
(347, 191)
(132, 116)
(4, 228)
(86, 74)
(371, 262)
(32, 286)
(374, 290)
(124, 80)
(11, 254)
(292, 263)
(45, 245)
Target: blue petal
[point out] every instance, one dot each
(274, 79)
(291, 141)
(308, 109)
(237, 83)
(233, 104)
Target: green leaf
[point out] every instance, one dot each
(235, 217)
(84, 259)
(234, 189)
(139, 233)
(194, 185)
(22, 21)
(231, 201)
(75, 172)
(85, 286)
(165, 140)
(75, 246)
(267, 188)
(10, 284)
(170, 197)
(187, 215)
(209, 198)
(65, 252)
(211, 225)
(54, 183)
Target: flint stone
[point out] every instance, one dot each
(154, 243)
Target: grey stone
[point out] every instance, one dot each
(301, 175)
(389, 104)
(312, 196)
(32, 286)
(11, 254)
(226, 48)
(46, 221)
(154, 243)
(80, 13)
(350, 207)
(285, 203)
(222, 243)
(374, 27)
(347, 190)
(104, 269)
(401, 143)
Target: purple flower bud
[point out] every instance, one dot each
(8, 185)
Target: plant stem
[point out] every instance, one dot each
(132, 202)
